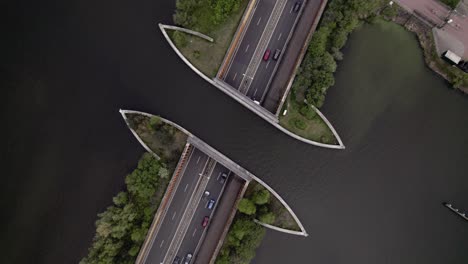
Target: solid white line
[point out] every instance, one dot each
(280, 35)
(194, 231)
(173, 216)
(242, 38)
(246, 49)
(260, 19)
(269, 39)
(235, 75)
(268, 63)
(186, 186)
(160, 246)
(198, 160)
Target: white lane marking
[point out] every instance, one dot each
(219, 175)
(173, 216)
(268, 63)
(198, 160)
(246, 49)
(160, 246)
(186, 186)
(290, 11)
(281, 34)
(235, 75)
(194, 231)
(255, 92)
(260, 19)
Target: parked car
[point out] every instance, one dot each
(176, 260)
(266, 56)
(297, 6)
(188, 258)
(223, 178)
(205, 221)
(210, 204)
(277, 54)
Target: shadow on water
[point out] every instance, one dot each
(68, 68)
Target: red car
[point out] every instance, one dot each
(205, 221)
(266, 56)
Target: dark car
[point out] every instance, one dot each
(188, 258)
(176, 260)
(297, 6)
(266, 56)
(223, 178)
(277, 54)
(210, 204)
(205, 221)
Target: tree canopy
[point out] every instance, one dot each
(122, 227)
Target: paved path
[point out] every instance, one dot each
(437, 13)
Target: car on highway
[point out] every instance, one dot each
(176, 260)
(188, 258)
(277, 54)
(266, 55)
(223, 178)
(297, 6)
(205, 221)
(210, 204)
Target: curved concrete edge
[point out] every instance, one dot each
(279, 229)
(283, 202)
(308, 141)
(123, 112)
(189, 31)
(274, 121)
(330, 126)
(163, 28)
(253, 177)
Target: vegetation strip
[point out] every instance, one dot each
(121, 229)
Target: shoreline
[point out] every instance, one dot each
(424, 34)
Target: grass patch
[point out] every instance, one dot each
(163, 139)
(308, 126)
(204, 55)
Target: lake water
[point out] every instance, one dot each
(67, 67)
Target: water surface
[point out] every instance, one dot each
(67, 67)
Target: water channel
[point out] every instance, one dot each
(71, 65)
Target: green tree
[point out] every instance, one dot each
(261, 197)
(267, 218)
(247, 207)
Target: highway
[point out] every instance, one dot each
(194, 167)
(240, 63)
(187, 196)
(195, 232)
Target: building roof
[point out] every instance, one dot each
(452, 56)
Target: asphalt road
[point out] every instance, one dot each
(177, 207)
(264, 73)
(195, 231)
(248, 44)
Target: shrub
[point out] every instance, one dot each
(300, 124)
(247, 207)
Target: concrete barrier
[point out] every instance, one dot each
(225, 161)
(236, 95)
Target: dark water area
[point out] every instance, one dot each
(67, 67)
